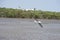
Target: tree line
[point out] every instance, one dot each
(19, 13)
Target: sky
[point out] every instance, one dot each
(45, 5)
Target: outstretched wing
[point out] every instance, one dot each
(40, 25)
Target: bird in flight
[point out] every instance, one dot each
(39, 22)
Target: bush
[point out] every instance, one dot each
(19, 13)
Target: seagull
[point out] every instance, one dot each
(39, 22)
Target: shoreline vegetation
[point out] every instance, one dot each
(20, 13)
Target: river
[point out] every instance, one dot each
(27, 29)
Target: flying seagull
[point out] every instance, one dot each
(39, 22)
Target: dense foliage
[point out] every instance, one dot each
(19, 13)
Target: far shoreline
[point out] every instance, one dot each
(27, 18)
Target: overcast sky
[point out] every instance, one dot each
(47, 5)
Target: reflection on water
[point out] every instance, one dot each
(27, 29)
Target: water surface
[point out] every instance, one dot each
(27, 29)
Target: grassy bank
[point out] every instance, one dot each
(19, 13)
